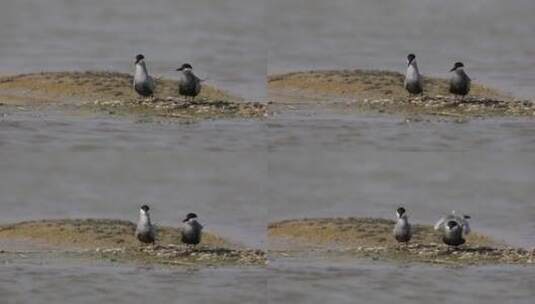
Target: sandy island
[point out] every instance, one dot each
(342, 90)
(113, 240)
(112, 92)
(369, 238)
(372, 238)
(382, 91)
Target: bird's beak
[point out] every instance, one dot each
(179, 69)
(453, 69)
(184, 220)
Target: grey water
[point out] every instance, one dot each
(492, 37)
(223, 40)
(239, 175)
(287, 282)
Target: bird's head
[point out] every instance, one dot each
(456, 66)
(139, 58)
(189, 217)
(185, 66)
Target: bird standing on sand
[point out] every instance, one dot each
(145, 231)
(191, 230)
(454, 228)
(413, 79)
(459, 82)
(143, 82)
(402, 229)
(188, 84)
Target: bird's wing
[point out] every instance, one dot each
(465, 76)
(439, 223)
(197, 79)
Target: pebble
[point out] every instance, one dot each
(471, 104)
(172, 106)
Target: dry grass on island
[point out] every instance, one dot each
(383, 91)
(114, 240)
(372, 238)
(112, 92)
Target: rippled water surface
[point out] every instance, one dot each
(287, 282)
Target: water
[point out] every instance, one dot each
(289, 282)
(368, 166)
(223, 40)
(102, 167)
(233, 42)
(40, 284)
(240, 175)
(492, 37)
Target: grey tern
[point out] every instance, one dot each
(413, 79)
(191, 230)
(143, 83)
(189, 85)
(145, 231)
(459, 82)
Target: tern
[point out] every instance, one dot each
(459, 82)
(402, 229)
(143, 83)
(145, 231)
(191, 230)
(413, 79)
(453, 228)
(189, 85)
